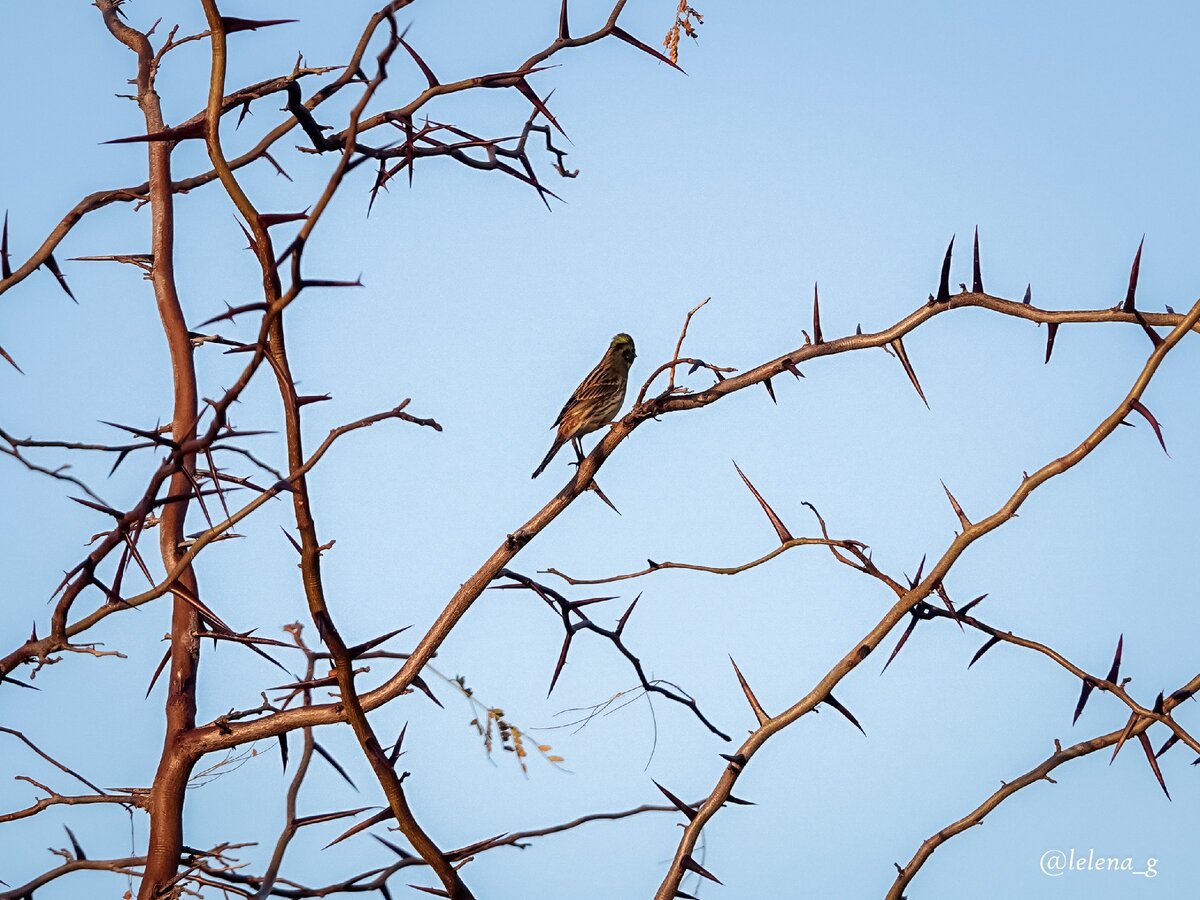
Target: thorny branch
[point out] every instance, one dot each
(198, 430)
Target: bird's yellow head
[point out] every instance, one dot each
(622, 347)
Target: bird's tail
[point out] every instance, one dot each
(558, 442)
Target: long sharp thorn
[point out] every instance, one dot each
(684, 808)
(395, 752)
(564, 27)
(902, 355)
(1135, 269)
(759, 712)
(79, 854)
(1124, 737)
(5, 267)
(291, 540)
(776, 522)
(52, 265)
(425, 70)
(283, 749)
(1051, 333)
(991, 642)
(625, 618)
(1167, 745)
(562, 661)
(158, 671)
(770, 389)
(12, 362)
(845, 712)
(1149, 417)
(232, 24)
(958, 510)
(603, 496)
(976, 275)
(1028, 298)
(634, 42)
(1115, 669)
(531, 95)
(382, 816)
(943, 294)
(1084, 693)
(818, 338)
(419, 683)
(941, 590)
(966, 609)
(920, 570)
(900, 643)
(1150, 332)
(1145, 742)
(337, 766)
(692, 866)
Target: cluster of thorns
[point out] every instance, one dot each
(188, 478)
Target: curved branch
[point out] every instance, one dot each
(1038, 773)
(863, 648)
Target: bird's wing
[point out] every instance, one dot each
(600, 382)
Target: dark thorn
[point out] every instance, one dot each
(79, 854)
(562, 661)
(419, 683)
(845, 712)
(692, 866)
(1115, 669)
(900, 643)
(1149, 417)
(5, 267)
(395, 753)
(52, 265)
(337, 767)
(1084, 693)
(971, 605)
(991, 642)
(1150, 332)
(1131, 293)
(688, 811)
(976, 275)
(232, 24)
(634, 42)
(1167, 745)
(759, 713)
(190, 131)
(1145, 742)
(625, 618)
(898, 346)
(943, 294)
(777, 523)
(817, 336)
(1051, 333)
(426, 71)
(12, 362)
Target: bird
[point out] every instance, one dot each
(597, 399)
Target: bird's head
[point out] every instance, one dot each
(622, 347)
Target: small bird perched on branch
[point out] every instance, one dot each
(597, 399)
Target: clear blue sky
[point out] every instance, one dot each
(809, 142)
